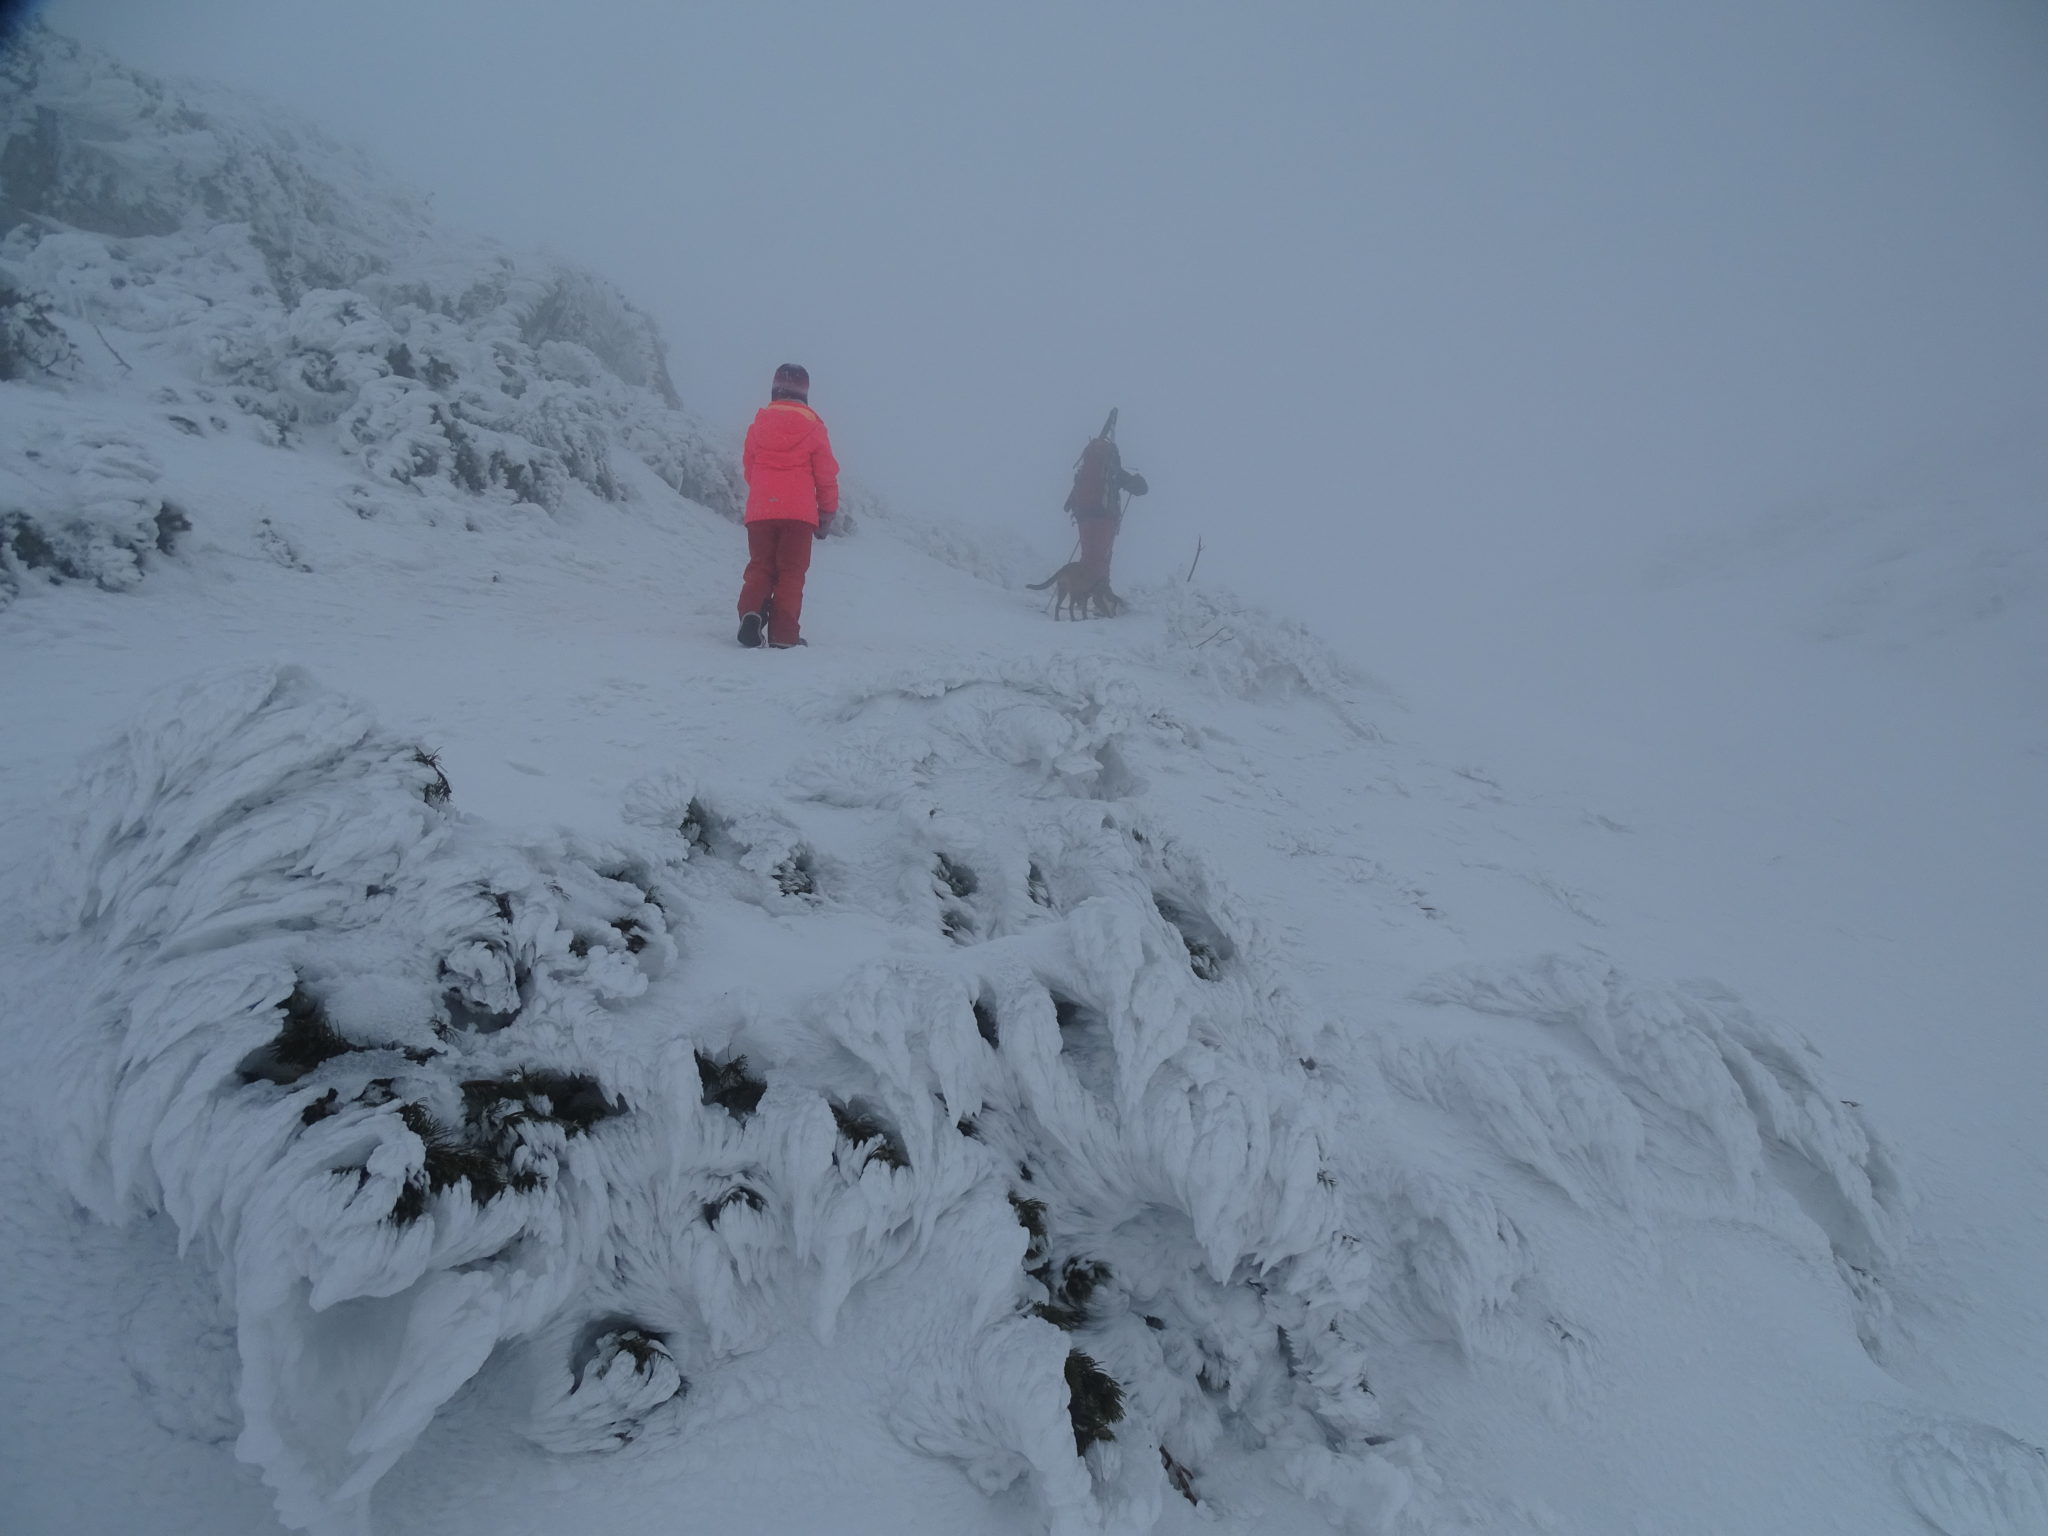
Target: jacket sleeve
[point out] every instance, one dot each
(747, 458)
(825, 473)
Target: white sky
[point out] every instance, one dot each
(1402, 303)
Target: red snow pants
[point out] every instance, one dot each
(1098, 538)
(778, 554)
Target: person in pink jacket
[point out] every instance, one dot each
(792, 497)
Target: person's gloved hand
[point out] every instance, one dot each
(824, 526)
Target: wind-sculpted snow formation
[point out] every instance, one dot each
(272, 285)
(423, 1096)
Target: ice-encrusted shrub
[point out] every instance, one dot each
(502, 1142)
(1095, 1400)
(418, 396)
(1180, 1476)
(1750, 1092)
(986, 1023)
(305, 1039)
(439, 791)
(32, 345)
(1207, 946)
(1068, 1289)
(91, 143)
(79, 502)
(752, 841)
(538, 1096)
(274, 901)
(955, 884)
(740, 1194)
(870, 1134)
(618, 1378)
(955, 877)
(1248, 653)
(1031, 1217)
(446, 1162)
(794, 875)
(729, 1085)
(669, 802)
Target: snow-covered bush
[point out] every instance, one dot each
(602, 1398)
(32, 345)
(78, 502)
(1253, 654)
(95, 145)
(346, 1046)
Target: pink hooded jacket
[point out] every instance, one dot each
(789, 465)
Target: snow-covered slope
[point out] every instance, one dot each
(488, 1054)
(289, 294)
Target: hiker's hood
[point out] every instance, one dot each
(784, 434)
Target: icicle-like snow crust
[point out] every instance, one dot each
(1026, 1067)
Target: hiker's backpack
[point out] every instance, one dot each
(1100, 469)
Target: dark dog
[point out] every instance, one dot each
(1080, 590)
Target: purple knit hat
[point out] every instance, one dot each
(792, 382)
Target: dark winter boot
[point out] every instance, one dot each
(750, 630)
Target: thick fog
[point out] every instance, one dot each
(1405, 306)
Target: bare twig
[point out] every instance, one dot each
(1196, 561)
(109, 346)
(1222, 632)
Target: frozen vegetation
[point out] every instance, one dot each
(1090, 1079)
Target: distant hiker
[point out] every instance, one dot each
(1096, 503)
(792, 497)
